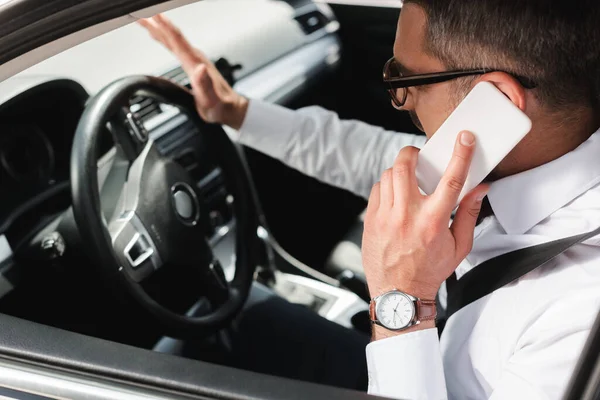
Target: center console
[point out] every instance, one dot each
(334, 303)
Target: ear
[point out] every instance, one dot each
(508, 85)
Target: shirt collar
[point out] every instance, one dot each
(523, 200)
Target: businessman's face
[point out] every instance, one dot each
(429, 106)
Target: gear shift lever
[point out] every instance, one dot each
(355, 284)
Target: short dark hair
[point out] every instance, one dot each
(556, 43)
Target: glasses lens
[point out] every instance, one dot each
(391, 71)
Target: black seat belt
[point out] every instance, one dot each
(502, 270)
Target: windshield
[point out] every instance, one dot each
(221, 28)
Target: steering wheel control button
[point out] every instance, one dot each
(185, 203)
(138, 250)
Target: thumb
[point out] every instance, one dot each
(204, 91)
(466, 218)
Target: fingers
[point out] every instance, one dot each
(177, 42)
(144, 22)
(374, 200)
(405, 179)
(155, 32)
(163, 20)
(204, 92)
(165, 32)
(386, 189)
(466, 218)
(449, 189)
(399, 182)
(202, 87)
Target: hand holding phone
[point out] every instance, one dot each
(498, 125)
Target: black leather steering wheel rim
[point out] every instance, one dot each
(87, 207)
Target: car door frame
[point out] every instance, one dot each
(42, 362)
(51, 363)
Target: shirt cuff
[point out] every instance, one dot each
(267, 128)
(408, 366)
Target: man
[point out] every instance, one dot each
(523, 340)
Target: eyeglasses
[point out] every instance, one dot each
(399, 84)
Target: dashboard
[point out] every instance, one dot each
(26, 154)
(36, 134)
(40, 107)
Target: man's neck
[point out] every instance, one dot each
(547, 143)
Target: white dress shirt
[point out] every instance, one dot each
(520, 342)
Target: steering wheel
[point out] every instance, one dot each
(160, 221)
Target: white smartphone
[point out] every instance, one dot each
(498, 125)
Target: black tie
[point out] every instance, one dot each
(486, 211)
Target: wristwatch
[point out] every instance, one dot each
(396, 310)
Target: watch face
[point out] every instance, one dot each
(395, 310)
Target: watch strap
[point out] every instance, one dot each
(426, 310)
(372, 315)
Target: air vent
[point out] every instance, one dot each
(177, 138)
(144, 107)
(188, 160)
(178, 76)
(212, 186)
(312, 21)
(147, 108)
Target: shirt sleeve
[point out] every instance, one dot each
(348, 154)
(408, 366)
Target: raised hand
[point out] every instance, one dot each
(216, 101)
(407, 243)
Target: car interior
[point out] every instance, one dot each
(78, 201)
(114, 191)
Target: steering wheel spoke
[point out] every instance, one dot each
(216, 286)
(133, 247)
(112, 177)
(128, 132)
